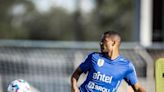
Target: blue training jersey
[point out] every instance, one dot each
(104, 74)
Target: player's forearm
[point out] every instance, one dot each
(74, 79)
(74, 82)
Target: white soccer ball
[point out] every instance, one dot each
(19, 85)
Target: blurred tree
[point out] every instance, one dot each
(115, 14)
(19, 19)
(78, 27)
(11, 18)
(4, 19)
(55, 25)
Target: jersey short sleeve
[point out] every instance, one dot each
(131, 77)
(85, 66)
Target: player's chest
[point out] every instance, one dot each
(116, 70)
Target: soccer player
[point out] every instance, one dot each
(106, 69)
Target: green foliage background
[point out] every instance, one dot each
(60, 24)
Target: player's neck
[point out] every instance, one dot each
(114, 54)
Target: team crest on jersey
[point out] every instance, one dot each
(100, 62)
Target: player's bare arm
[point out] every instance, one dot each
(74, 78)
(137, 88)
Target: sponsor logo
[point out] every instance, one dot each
(93, 86)
(102, 77)
(100, 62)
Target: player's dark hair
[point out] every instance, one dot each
(106, 35)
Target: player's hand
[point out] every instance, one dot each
(75, 89)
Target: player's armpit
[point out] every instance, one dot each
(137, 88)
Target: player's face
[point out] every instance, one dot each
(108, 44)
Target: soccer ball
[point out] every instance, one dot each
(19, 85)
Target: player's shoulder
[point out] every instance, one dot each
(128, 63)
(95, 54)
(124, 60)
